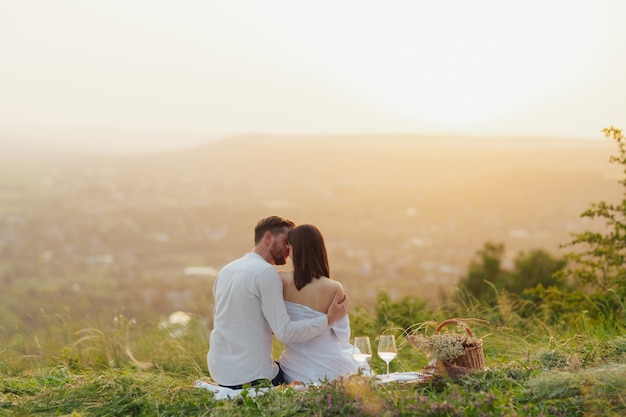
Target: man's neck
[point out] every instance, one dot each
(263, 254)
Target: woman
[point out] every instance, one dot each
(308, 292)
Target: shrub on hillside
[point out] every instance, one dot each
(598, 267)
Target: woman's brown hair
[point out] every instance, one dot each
(308, 254)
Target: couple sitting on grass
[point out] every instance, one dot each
(303, 308)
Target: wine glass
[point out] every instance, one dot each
(387, 349)
(362, 351)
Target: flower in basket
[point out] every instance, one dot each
(444, 346)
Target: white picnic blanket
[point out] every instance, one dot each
(402, 377)
(223, 393)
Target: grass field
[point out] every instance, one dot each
(125, 368)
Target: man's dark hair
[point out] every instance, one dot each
(274, 224)
(308, 253)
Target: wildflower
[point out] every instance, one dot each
(444, 346)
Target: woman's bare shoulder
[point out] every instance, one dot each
(333, 287)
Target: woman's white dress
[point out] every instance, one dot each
(325, 357)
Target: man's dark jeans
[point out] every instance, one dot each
(278, 379)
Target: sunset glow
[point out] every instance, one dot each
(526, 68)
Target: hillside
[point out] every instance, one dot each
(403, 213)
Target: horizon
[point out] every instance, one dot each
(111, 141)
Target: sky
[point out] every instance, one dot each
(548, 67)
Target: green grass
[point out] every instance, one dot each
(118, 367)
(129, 391)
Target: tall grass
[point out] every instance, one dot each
(90, 343)
(92, 367)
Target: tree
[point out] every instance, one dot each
(484, 271)
(486, 274)
(536, 267)
(599, 265)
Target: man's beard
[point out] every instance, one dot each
(278, 256)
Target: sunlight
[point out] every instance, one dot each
(482, 67)
(469, 65)
(451, 65)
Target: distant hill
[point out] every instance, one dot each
(27, 141)
(393, 161)
(405, 213)
(375, 194)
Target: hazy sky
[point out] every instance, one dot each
(474, 67)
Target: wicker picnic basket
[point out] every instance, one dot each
(474, 356)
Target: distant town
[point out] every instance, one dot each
(147, 233)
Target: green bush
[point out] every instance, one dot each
(598, 266)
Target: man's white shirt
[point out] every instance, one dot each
(249, 307)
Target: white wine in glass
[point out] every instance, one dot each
(387, 349)
(362, 351)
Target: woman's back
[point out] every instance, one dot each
(326, 356)
(317, 294)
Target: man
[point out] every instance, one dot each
(249, 307)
